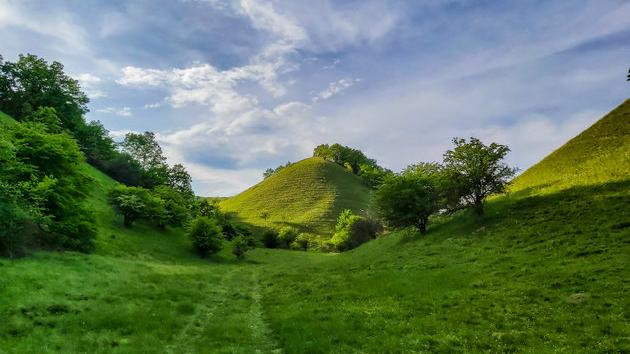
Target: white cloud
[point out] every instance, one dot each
(89, 84)
(335, 88)
(122, 112)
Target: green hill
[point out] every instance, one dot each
(600, 154)
(309, 194)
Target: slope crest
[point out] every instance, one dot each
(600, 154)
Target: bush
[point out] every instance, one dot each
(287, 235)
(241, 245)
(206, 236)
(270, 239)
(301, 242)
(353, 230)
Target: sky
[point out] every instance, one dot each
(234, 87)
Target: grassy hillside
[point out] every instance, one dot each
(309, 194)
(546, 271)
(600, 154)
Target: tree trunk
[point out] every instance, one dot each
(422, 226)
(478, 206)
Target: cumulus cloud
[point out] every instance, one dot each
(90, 85)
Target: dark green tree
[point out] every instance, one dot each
(407, 200)
(477, 171)
(206, 236)
(31, 83)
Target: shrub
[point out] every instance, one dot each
(301, 242)
(287, 235)
(206, 236)
(241, 245)
(353, 230)
(270, 239)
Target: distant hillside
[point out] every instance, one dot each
(309, 194)
(598, 155)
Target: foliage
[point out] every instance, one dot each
(145, 149)
(408, 199)
(477, 170)
(179, 180)
(353, 230)
(241, 245)
(286, 236)
(132, 203)
(271, 171)
(206, 236)
(270, 238)
(31, 83)
(301, 242)
(42, 181)
(176, 206)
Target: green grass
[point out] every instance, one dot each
(309, 194)
(545, 271)
(600, 154)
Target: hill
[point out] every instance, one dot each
(600, 154)
(546, 270)
(308, 194)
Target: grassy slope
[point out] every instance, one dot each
(309, 194)
(546, 271)
(142, 291)
(600, 154)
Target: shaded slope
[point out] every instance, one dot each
(309, 194)
(600, 154)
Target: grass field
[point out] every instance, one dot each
(309, 194)
(545, 271)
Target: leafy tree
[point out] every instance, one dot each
(176, 207)
(272, 171)
(407, 200)
(43, 182)
(145, 149)
(98, 146)
(123, 168)
(477, 170)
(31, 83)
(47, 116)
(287, 235)
(206, 236)
(353, 230)
(180, 180)
(343, 156)
(301, 242)
(270, 238)
(131, 202)
(240, 246)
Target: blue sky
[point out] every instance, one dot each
(234, 87)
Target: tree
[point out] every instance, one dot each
(272, 171)
(42, 181)
(46, 116)
(407, 200)
(145, 149)
(175, 206)
(206, 236)
(240, 246)
(131, 202)
(353, 230)
(96, 144)
(477, 171)
(287, 235)
(180, 180)
(31, 83)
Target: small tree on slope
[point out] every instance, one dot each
(477, 171)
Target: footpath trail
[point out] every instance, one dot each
(231, 319)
